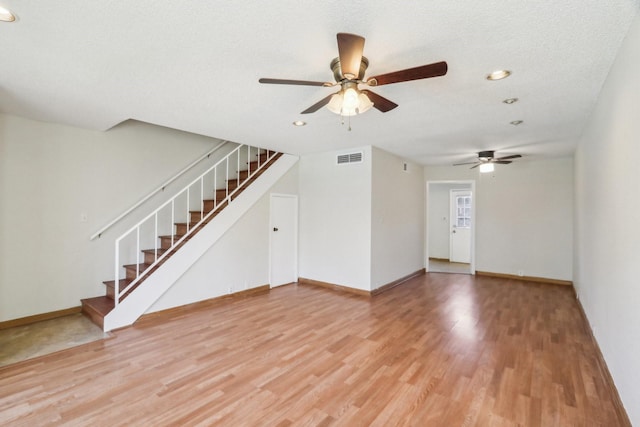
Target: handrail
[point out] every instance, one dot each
(157, 190)
(184, 197)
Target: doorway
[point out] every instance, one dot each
(450, 227)
(283, 241)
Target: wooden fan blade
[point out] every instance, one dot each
(350, 47)
(293, 82)
(467, 163)
(318, 105)
(501, 162)
(379, 102)
(417, 73)
(515, 156)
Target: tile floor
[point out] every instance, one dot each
(441, 266)
(29, 341)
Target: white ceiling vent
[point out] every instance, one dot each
(347, 158)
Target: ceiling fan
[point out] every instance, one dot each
(486, 160)
(348, 71)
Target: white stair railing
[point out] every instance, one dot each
(181, 209)
(114, 221)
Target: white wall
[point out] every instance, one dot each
(608, 222)
(523, 216)
(238, 261)
(335, 220)
(49, 175)
(397, 218)
(439, 211)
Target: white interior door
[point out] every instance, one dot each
(460, 226)
(284, 239)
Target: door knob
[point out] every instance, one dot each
(275, 228)
(454, 231)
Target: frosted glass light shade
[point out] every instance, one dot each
(349, 103)
(486, 167)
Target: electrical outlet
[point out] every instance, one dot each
(83, 217)
(230, 289)
(520, 273)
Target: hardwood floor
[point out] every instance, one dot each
(439, 350)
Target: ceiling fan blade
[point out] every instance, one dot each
(379, 102)
(473, 167)
(462, 164)
(501, 162)
(350, 47)
(515, 156)
(318, 105)
(293, 82)
(417, 73)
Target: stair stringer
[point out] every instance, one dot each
(153, 287)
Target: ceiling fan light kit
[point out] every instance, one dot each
(349, 70)
(349, 102)
(6, 15)
(487, 168)
(498, 75)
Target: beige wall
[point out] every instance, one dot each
(397, 218)
(523, 216)
(335, 220)
(52, 174)
(607, 222)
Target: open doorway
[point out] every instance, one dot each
(450, 227)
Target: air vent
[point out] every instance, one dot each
(344, 159)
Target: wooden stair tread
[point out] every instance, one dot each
(168, 236)
(143, 266)
(99, 306)
(122, 282)
(153, 251)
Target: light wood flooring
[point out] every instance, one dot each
(438, 350)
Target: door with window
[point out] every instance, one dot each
(460, 226)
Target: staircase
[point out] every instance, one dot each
(169, 244)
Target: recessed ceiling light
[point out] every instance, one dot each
(516, 122)
(6, 15)
(510, 100)
(299, 123)
(499, 75)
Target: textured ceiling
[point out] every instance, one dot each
(195, 66)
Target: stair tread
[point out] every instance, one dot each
(143, 266)
(168, 236)
(153, 251)
(121, 281)
(140, 267)
(101, 305)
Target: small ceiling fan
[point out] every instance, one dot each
(486, 160)
(348, 71)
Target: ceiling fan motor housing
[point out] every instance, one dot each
(337, 69)
(485, 155)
